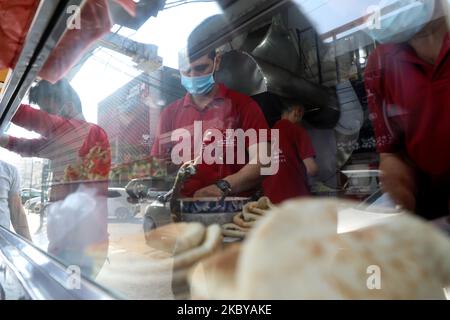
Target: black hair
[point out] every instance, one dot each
(288, 104)
(270, 105)
(212, 54)
(196, 46)
(61, 92)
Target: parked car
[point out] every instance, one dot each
(118, 206)
(39, 207)
(27, 194)
(31, 203)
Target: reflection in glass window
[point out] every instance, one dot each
(170, 138)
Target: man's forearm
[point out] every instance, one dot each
(4, 141)
(247, 178)
(24, 147)
(311, 167)
(19, 219)
(21, 226)
(24, 232)
(251, 175)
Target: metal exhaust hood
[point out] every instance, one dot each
(274, 66)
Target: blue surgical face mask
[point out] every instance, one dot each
(199, 86)
(402, 26)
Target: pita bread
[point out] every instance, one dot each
(216, 274)
(184, 261)
(239, 220)
(180, 284)
(251, 216)
(233, 230)
(298, 253)
(265, 203)
(234, 233)
(212, 242)
(243, 221)
(257, 209)
(176, 238)
(192, 236)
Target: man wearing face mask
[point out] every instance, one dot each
(407, 81)
(215, 107)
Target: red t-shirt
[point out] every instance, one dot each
(409, 101)
(291, 179)
(228, 110)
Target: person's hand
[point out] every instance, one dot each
(398, 179)
(4, 139)
(211, 191)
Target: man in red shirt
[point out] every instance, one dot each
(210, 107)
(408, 81)
(79, 154)
(295, 157)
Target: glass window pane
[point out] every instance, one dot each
(159, 122)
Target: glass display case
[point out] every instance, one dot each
(148, 99)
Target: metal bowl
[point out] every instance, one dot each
(204, 210)
(212, 205)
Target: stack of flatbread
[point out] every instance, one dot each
(186, 244)
(245, 220)
(303, 251)
(215, 276)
